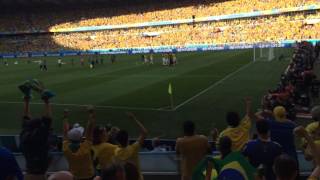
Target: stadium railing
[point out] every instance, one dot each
(153, 164)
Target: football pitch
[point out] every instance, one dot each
(205, 86)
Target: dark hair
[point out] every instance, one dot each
(285, 167)
(225, 145)
(131, 171)
(33, 123)
(110, 173)
(262, 127)
(97, 133)
(233, 119)
(122, 138)
(188, 128)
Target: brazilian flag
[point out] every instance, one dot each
(233, 167)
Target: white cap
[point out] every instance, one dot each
(75, 134)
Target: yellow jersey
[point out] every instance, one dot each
(80, 162)
(239, 135)
(104, 153)
(129, 154)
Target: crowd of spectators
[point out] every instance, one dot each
(171, 10)
(250, 30)
(298, 84)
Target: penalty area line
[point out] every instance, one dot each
(100, 107)
(212, 86)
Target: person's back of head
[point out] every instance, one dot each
(62, 175)
(285, 167)
(188, 128)
(123, 138)
(99, 135)
(280, 113)
(113, 172)
(225, 146)
(262, 127)
(233, 119)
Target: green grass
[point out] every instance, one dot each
(129, 83)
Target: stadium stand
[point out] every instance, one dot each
(249, 30)
(173, 10)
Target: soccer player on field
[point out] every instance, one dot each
(82, 62)
(151, 58)
(59, 62)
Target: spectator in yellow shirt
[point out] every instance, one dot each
(314, 150)
(129, 153)
(192, 148)
(238, 130)
(313, 130)
(103, 151)
(77, 152)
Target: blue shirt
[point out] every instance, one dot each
(9, 165)
(282, 133)
(262, 153)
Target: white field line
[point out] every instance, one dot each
(102, 107)
(212, 86)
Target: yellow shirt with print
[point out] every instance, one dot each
(129, 154)
(80, 162)
(239, 135)
(104, 153)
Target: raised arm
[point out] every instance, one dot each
(66, 125)
(248, 106)
(47, 108)
(91, 123)
(214, 133)
(26, 107)
(143, 130)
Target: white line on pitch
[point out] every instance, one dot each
(211, 86)
(80, 105)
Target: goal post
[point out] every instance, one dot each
(264, 54)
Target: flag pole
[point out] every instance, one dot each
(171, 95)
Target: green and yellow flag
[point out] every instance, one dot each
(170, 89)
(234, 166)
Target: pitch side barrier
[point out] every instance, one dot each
(174, 22)
(163, 49)
(152, 163)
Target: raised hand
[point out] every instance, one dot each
(131, 115)
(214, 134)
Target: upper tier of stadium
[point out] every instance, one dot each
(45, 20)
(293, 26)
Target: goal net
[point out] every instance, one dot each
(263, 54)
(269, 54)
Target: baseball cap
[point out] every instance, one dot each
(75, 134)
(279, 113)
